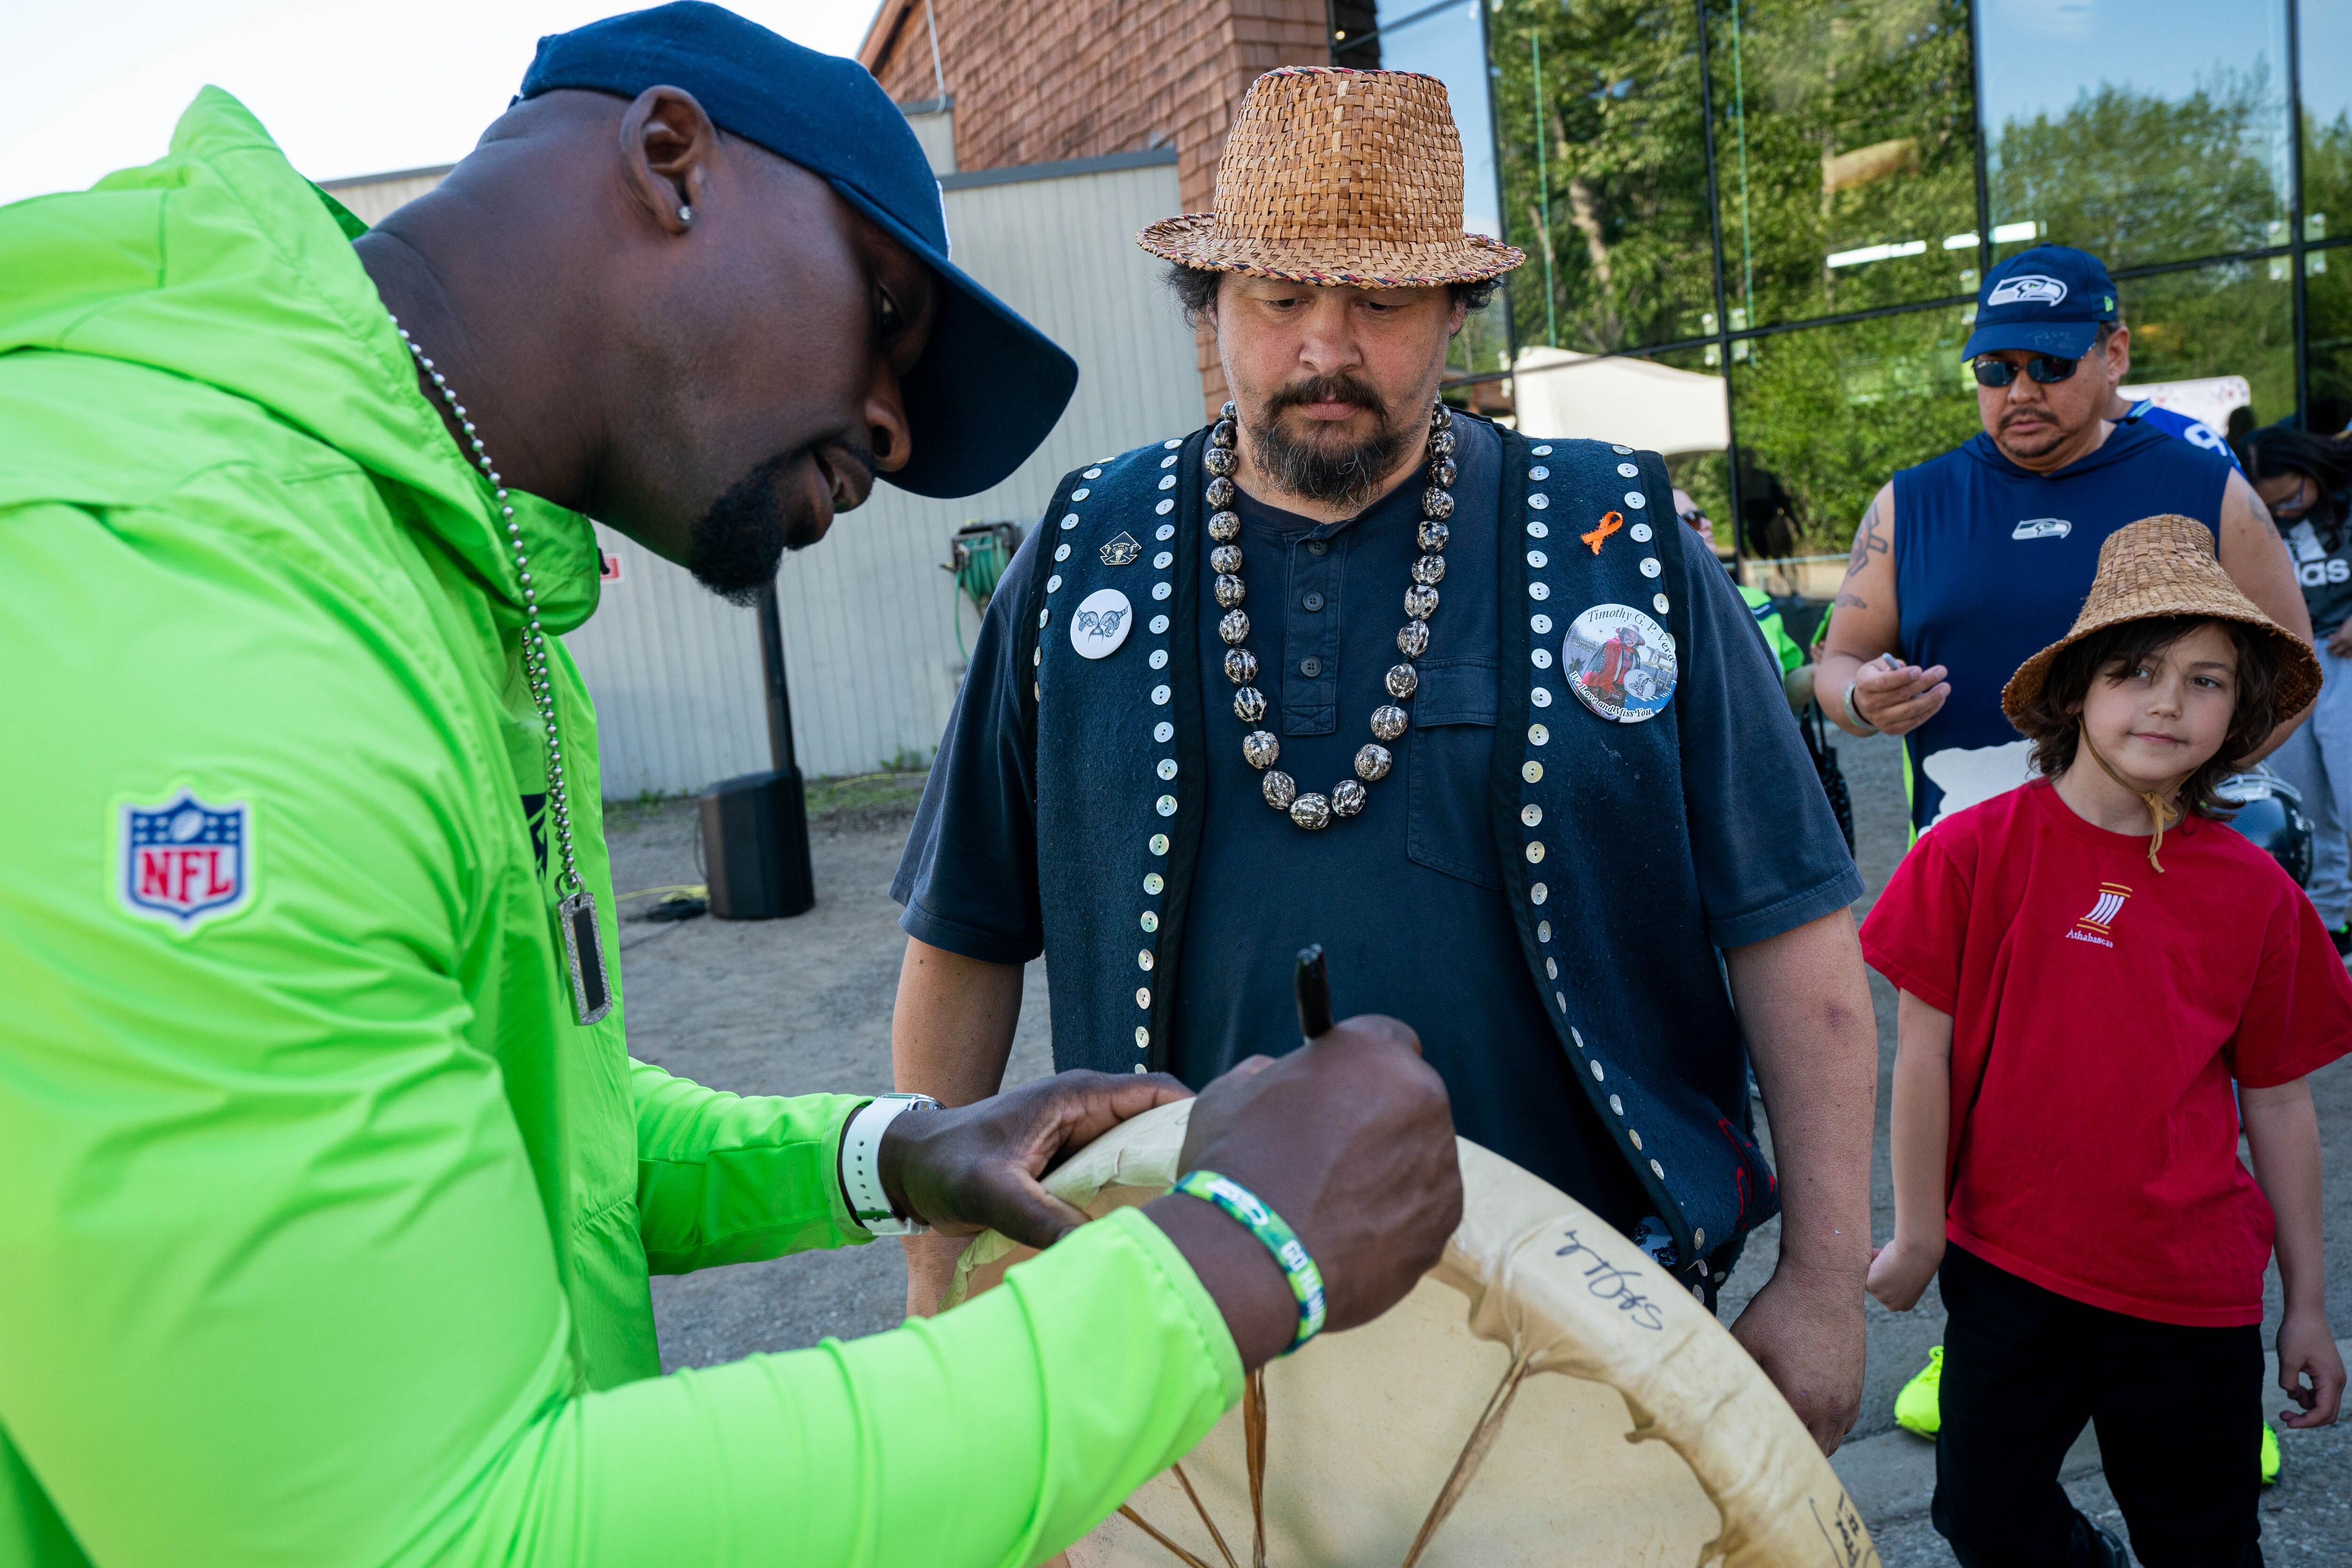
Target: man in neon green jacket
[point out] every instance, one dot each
(327, 1190)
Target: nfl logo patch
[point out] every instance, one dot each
(187, 862)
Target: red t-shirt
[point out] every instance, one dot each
(2099, 1011)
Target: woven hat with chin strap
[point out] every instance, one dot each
(1338, 177)
(2163, 567)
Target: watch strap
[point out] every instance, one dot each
(861, 1163)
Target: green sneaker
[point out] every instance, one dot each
(1919, 1407)
(2273, 1460)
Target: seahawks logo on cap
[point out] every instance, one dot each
(2027, 289)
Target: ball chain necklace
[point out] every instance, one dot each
(1260, 748)
(591, 997)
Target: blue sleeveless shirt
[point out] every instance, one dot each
(1992, 565)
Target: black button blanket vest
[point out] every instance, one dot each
(1587, 813)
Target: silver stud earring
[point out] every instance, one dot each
(686, 215)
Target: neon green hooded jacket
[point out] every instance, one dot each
(324, 1229)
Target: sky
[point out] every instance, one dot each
(346, 88)
(2039, 54)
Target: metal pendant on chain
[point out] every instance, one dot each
(1260, 748)
(575, 909)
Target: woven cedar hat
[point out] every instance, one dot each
(2161, 566)
(1338, 177)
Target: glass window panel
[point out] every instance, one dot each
(2233, 320)
(1703, 474)
(2143, 130)
(1845, 154)
(1483, 346)
(2329, 328)
(1444, 41)
(1604, 172)
(2325, 33)
(1825, 416)
(2212, 323)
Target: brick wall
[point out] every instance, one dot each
(1037, 82)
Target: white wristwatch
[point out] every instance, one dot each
(861, 1163)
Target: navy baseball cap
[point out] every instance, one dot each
(989, 386)
(2047, 301)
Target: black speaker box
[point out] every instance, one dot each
(755, 846)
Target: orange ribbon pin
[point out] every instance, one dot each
(1610, 523)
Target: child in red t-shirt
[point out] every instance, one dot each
(2078, 993)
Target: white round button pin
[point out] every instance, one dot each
(1103, 618)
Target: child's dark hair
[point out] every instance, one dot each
(2052, 719)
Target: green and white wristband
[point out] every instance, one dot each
(1247, 1208)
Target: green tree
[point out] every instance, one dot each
(1832, 413)
(2327, 207)
(2137, 179)
(1843, 126)
(1611, 151)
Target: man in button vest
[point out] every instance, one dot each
(330, 1189)
(1966, 565)
(1471, 709)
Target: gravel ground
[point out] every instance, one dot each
(804, 1005)
(791, 1006)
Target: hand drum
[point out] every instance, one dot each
(1546, 1396)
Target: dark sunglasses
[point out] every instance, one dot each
(2044, 368)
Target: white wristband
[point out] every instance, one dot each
(861, 1163)
(1854, 714)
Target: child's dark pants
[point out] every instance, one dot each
(2179, 1412)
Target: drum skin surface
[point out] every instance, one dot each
(1638, 1432)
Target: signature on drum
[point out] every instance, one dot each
(1848, 1541)
(1610, 1283)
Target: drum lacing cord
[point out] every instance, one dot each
(1457, 1481)
(2160, 807)
(1474, 1454)
(1253, 1447)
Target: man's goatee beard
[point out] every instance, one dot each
(738, 544)
(1347, 477)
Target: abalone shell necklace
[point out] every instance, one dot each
(1260, 748)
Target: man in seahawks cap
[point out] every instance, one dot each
(1963, 566)
(331, 1189)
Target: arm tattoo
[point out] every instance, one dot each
(1867, 541)
(1850, 601)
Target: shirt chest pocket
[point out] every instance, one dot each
(1448, 754)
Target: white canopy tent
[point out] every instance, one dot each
(1635, 402)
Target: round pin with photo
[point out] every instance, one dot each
(1620, 663)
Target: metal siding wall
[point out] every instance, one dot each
(373, 201)
(674, 673)
(869, 641)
